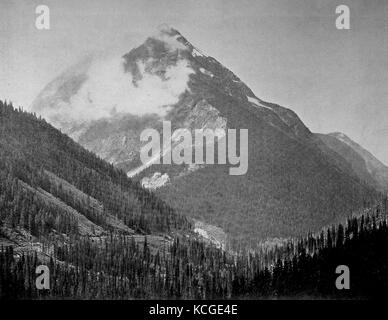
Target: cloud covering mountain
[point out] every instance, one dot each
(107, 89)
(294, 183)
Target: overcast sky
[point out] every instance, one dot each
(287, 52)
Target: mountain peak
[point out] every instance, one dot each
(167, 78)
(175, 40)
(167, 29)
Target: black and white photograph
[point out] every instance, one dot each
(193, 150)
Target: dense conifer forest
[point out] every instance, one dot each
(87, 217)
(32, 151)
(118, 268)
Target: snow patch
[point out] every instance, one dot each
(156, 181)
(203, 116)
(208, 73)
(257, 103)
(144, 166)
(214, 234)
(165, 149)
(342, 137)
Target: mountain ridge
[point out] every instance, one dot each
(294, 183)
(58, 185)
(365, 164)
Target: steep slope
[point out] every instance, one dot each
(365, 164)
(294, 183)
(50, 185)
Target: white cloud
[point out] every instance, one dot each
(110, 90)
(165, 34)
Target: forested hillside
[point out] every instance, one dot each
(187, 269)
(294, 183)
(47, 181)
(104, 237)
(364, 164)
